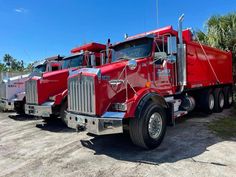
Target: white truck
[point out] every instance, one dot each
(12, 90)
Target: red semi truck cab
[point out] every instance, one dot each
(157, 76)
(46, 95)
(17, 91)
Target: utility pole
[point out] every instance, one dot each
(157, 6)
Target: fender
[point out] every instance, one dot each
(59, 98)
(141, 98)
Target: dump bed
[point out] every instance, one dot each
(207, 66)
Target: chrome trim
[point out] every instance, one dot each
(44, 110)
(181, 64)
(81, 95)
(31, 91)
(95, 125)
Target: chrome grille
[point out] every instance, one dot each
(81, 95)
(3, 90)
(31, 91)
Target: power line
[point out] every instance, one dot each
(157, 13)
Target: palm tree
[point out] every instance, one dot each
(221, 33)
(7, 59)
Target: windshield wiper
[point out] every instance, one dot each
(122, 58)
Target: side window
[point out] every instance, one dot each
(160, 52)
(54, 68)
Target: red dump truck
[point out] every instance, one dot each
(157, 77)
(46, 96)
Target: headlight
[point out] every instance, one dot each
(120, 106)
(52, 98)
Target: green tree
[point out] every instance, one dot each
(221, 33)
(3, 67)
(12, 63)
(7, 59)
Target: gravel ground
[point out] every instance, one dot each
(32, 147)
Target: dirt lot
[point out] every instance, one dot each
(31, 147)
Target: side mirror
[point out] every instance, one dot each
(93, 60)
(172, 45)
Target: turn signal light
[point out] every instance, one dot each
(148, 84)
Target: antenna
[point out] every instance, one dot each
(157, 6)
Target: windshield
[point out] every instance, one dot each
(74, 61)
(40, 68)
(134, 49)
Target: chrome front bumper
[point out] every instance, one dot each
(6, 105)
(107, 124)
(44, 110)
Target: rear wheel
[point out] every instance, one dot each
(219, 100)
(207, 101)
(148, 130)
(228, 92)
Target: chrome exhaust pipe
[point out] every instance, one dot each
(181, 61)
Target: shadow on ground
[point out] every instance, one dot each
(54, 125)
(24, 117)
(189, 138)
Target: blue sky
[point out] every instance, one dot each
(32, 30)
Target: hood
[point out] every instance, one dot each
(51, 84)
(108, 93)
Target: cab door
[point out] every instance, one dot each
(163, 69)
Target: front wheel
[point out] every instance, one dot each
(63, 110)
(19, 107)
(148, 130)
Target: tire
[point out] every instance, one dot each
(228, 92)
(207, 101)
(219, 100)
(63, 109)
(19, 107)
(142, 133)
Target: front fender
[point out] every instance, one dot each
(141, 98)
(59, 98)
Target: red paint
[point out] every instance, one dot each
(95, 47)
(54, 84)
(162, 77)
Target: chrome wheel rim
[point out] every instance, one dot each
(211, 102)
(221, 99)
(155, 125)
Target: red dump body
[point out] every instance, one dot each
(202, 72)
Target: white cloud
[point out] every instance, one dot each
(20, 10)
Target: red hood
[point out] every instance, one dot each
(107, 94)
(51, 84)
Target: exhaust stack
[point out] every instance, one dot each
(181, 61)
